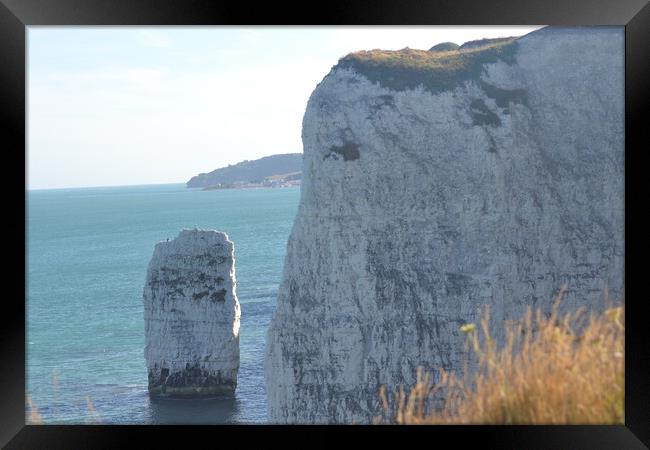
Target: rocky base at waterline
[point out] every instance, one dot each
(191, 314)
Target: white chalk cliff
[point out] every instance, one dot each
(433, 187)
(191, 316)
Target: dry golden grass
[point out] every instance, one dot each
(551, 370)
(94, 415)
(34, 414)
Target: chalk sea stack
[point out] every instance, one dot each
(191, 315)
(435, 184)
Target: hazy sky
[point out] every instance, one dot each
(146, 105)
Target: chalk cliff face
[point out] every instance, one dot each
(434, 187)
(191, 316)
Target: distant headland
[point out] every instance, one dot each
(271, 171)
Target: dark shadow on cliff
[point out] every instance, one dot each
(193, 411)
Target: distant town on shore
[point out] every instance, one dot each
(273, 171)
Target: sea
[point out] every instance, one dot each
(87, 256)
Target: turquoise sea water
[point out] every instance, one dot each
(87, 255)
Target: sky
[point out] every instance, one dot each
(115, 106)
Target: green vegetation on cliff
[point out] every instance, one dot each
(444, 47)
(437, 71)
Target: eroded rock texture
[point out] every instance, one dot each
(191, 316)
(431, 192)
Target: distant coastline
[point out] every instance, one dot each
(250, 186)
(274, 181)
(270, 171)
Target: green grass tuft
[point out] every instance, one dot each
(436, 71)
(444, 47)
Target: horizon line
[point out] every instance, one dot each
(27, 189)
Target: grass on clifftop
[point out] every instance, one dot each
(436, 70)
(552, 370)
(444, 47)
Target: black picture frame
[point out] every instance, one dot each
(16, 15)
